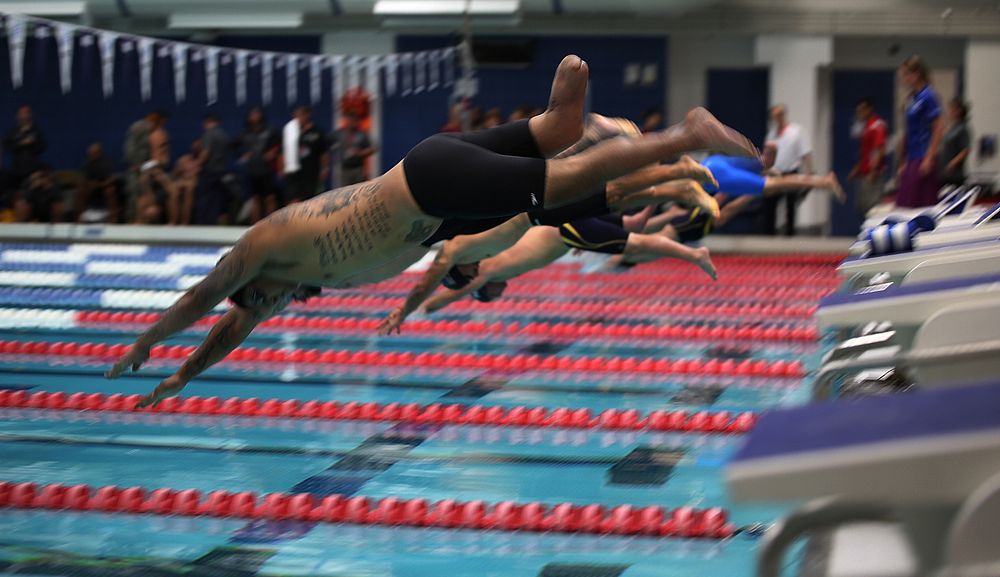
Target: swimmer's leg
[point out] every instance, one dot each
(776, 185)
(686, 192)
(685, 168)
(647, 247)
(567, 179)
(561, 124)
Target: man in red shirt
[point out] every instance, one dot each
(870, 169)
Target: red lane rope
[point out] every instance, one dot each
(721, 422)
(389, 511)
(541, 306)
(518, 362)
(576, 330)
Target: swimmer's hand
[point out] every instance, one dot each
(135, 357)
(391, 323)
(168, 387)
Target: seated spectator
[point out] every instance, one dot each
(454, 123)
(180, 197)
(98, 176)
(154, 188)
(39, 200)
(519, 113)
(492, 119)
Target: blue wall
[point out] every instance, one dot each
(739, 97)
(850, 86)
(72, 121)
(409, 120)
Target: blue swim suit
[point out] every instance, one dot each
(737, 176)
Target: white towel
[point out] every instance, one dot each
(290, 146)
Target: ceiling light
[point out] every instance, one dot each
(446, 7)
(44, 8)
(281, 20)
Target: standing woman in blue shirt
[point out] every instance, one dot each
(918, 171)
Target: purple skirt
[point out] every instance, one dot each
(916, 190)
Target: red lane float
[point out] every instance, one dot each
(719, 422)
(517, 362)
(389, 511)
(576, 330)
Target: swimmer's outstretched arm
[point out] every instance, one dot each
(463, 249)
(447, 296)
(240, 266)
(227, 334)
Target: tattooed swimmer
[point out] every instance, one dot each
(342, 237)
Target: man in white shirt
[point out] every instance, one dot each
(794, 156)
(290, 150)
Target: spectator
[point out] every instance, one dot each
(454, 123)
(918, 145)
(794, 156)
(154, 188)
(519, 113)
(258, 146)
(212, 198)
(180, 197)
(312, 155)
(39, 200)
(138, 151)
(870, 169)
(355, 150)
(25, 143)
(956, 144)
(492, 119)
(98, 176)
(652, 120)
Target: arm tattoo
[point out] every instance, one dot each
(229, 270)
(199, 360)
(419, 232)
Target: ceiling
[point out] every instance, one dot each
(557, 16)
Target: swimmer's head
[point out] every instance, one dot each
(490, 291)
(460, 275)
(770, 154)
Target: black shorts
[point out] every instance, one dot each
(594, 235)
(478, 175)
(261, 184)
(693, 226)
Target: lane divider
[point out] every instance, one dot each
(479, 434)
(574, 330)
(651, 521)
(721, 422)
(517, 362)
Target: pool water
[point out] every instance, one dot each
(46, 291)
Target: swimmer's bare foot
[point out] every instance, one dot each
(710, 134)
(561, 124)
(834, 185)
(695, 170)
(703, 260)
(697, 197)
(637, 222)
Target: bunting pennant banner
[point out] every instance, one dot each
(212, 75)
(420, 72)
(434, 69)
(292, 79)
(108, 42)
(65, 40)
(180, 71)
(339, 79)
(448, 60)
(146, 68)
(241, 77)
(17, 29)
(266, 76)
(406, 63)
(416, 71)
(315, 78)
(391, 70)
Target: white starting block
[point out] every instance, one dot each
(929, 460)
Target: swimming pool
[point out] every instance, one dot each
(655, 338)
